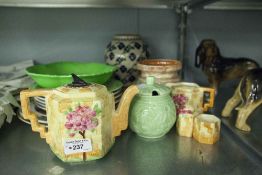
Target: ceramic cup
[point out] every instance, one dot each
(184, 125)
(206, 128)
(191, 98)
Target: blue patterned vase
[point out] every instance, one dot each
(124, 51)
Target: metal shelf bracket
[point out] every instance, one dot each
(183, 11)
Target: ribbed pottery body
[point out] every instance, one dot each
(152, 116)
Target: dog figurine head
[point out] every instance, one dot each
(206, 52)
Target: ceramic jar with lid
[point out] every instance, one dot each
(152, 111)
(124, 51)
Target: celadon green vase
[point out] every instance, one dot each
(152, 113)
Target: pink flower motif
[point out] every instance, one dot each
(69, 117)
(180, 101)
(83, 118)
(83, 127)
(78, 124)
(72, 134)
(69, 125)
(184, 111)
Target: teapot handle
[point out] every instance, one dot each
(210, 103)
(27, 114)
(120, 117)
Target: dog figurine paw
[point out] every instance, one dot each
(249, 92)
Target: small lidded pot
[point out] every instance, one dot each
(152, 112)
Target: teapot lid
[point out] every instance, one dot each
(153, 89)
(78, 82)
(79, 86)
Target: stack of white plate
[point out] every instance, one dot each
(38, 105)
(118, 94)
(40, 114)
(115, 87)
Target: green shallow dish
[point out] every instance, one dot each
(58, 74)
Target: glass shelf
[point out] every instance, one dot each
(235, 5)
(162, 4)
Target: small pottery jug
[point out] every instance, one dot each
(190, 98)
(81, 117)
(124, 51)
(152, 112)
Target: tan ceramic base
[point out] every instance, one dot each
(206, 128)
(184, 125)
(160, 80)
(244, 111)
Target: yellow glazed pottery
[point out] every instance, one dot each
(190, 97)
(206, 128)
(190, 101)
(82, 121)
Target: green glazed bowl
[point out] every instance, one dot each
(59, 73)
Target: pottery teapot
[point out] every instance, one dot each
(81, 117)
(152, 111)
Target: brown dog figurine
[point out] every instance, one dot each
(249, 92)
(219, 68)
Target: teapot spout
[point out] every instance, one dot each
(120, 117)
